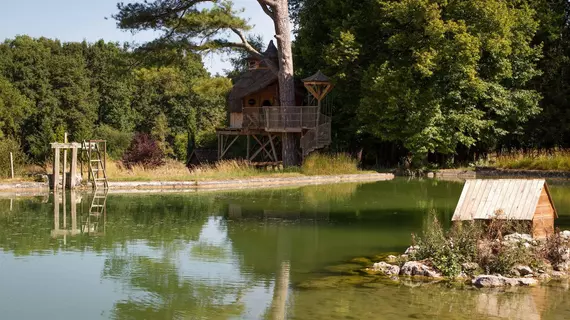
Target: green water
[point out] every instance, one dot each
(238, 255)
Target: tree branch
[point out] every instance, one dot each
(271, 3)
(266, 8)
(245, 44)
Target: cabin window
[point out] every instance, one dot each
(266, 103)
(253, 64)
(251, 102)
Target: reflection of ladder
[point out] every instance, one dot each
(97, 210)
(97, 163)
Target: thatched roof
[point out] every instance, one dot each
(248, 83)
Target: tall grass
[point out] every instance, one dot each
(551, 160)
(176, 171)
(329, 164)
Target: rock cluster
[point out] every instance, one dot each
(492, 281)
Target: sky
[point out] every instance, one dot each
(78, 20)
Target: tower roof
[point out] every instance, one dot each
(317, 77)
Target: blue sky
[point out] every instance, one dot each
(76, 20)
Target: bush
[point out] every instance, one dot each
(327, 164)
(117, 140)
(8, 145)
(143, 151)
(473, 241)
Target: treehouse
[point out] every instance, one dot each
(254, 112)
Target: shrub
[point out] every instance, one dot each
(473, 241)
(143, 151)
(117, 141)
(326, 164)
(8, 145)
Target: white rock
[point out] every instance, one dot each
(411, 250)
(391, 258)
(519, 237)
(491, 281)
(415, 268)
(470, 266)
(386, 268)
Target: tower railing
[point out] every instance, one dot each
(290, 118)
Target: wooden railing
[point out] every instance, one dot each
(253, 118)
(291, 118)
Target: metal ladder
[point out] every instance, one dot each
(96, 164)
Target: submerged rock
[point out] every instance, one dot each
(361, 261)
(491, 281)
(346, 269)
(386, 268)
(416, 268)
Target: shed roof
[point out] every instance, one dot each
(514, 199)
(317, 77)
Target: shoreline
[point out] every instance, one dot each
(17, 188)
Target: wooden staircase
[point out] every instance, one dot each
(318, 137)
(96, 158)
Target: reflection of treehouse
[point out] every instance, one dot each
(240, 211)
(254, 112)
(89, 223)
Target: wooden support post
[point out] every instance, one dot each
(272, 147)
(247, 154)
(55, 210)
(73, 171)
(11, 165)
(226, 149)
(55, 168)
(64, 163)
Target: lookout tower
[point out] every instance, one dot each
(254, 112)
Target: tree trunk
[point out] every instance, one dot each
(290, 145)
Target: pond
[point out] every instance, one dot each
(238, 255)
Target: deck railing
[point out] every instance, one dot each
(253, 118)
(290, 118)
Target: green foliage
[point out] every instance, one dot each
(8, 145)
(329, 164)
(180, 146)
(456, 75)
(117, 141)
(473, 241)
(104, 90)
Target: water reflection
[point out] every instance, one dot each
(234, 255)
(92, 220)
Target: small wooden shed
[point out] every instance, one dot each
(512, 199)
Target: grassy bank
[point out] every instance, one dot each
(553, 160)
(315, 164)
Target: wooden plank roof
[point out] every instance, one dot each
(514, 199)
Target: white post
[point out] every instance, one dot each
(12, 164)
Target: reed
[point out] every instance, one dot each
(329, 164)
(535, 160)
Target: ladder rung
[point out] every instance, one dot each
(100, 179)
(97, 205)
(100, 197)
(95, 160)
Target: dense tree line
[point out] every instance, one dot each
(105, 90)
(445, 81)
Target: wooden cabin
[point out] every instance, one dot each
(254, 112)
(200, 157)
(511, 199)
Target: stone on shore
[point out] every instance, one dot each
(386, 268)
(416, 268)
(522, 271)
(491, 281)
(411, 249)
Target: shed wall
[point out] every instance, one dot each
(543, 219)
